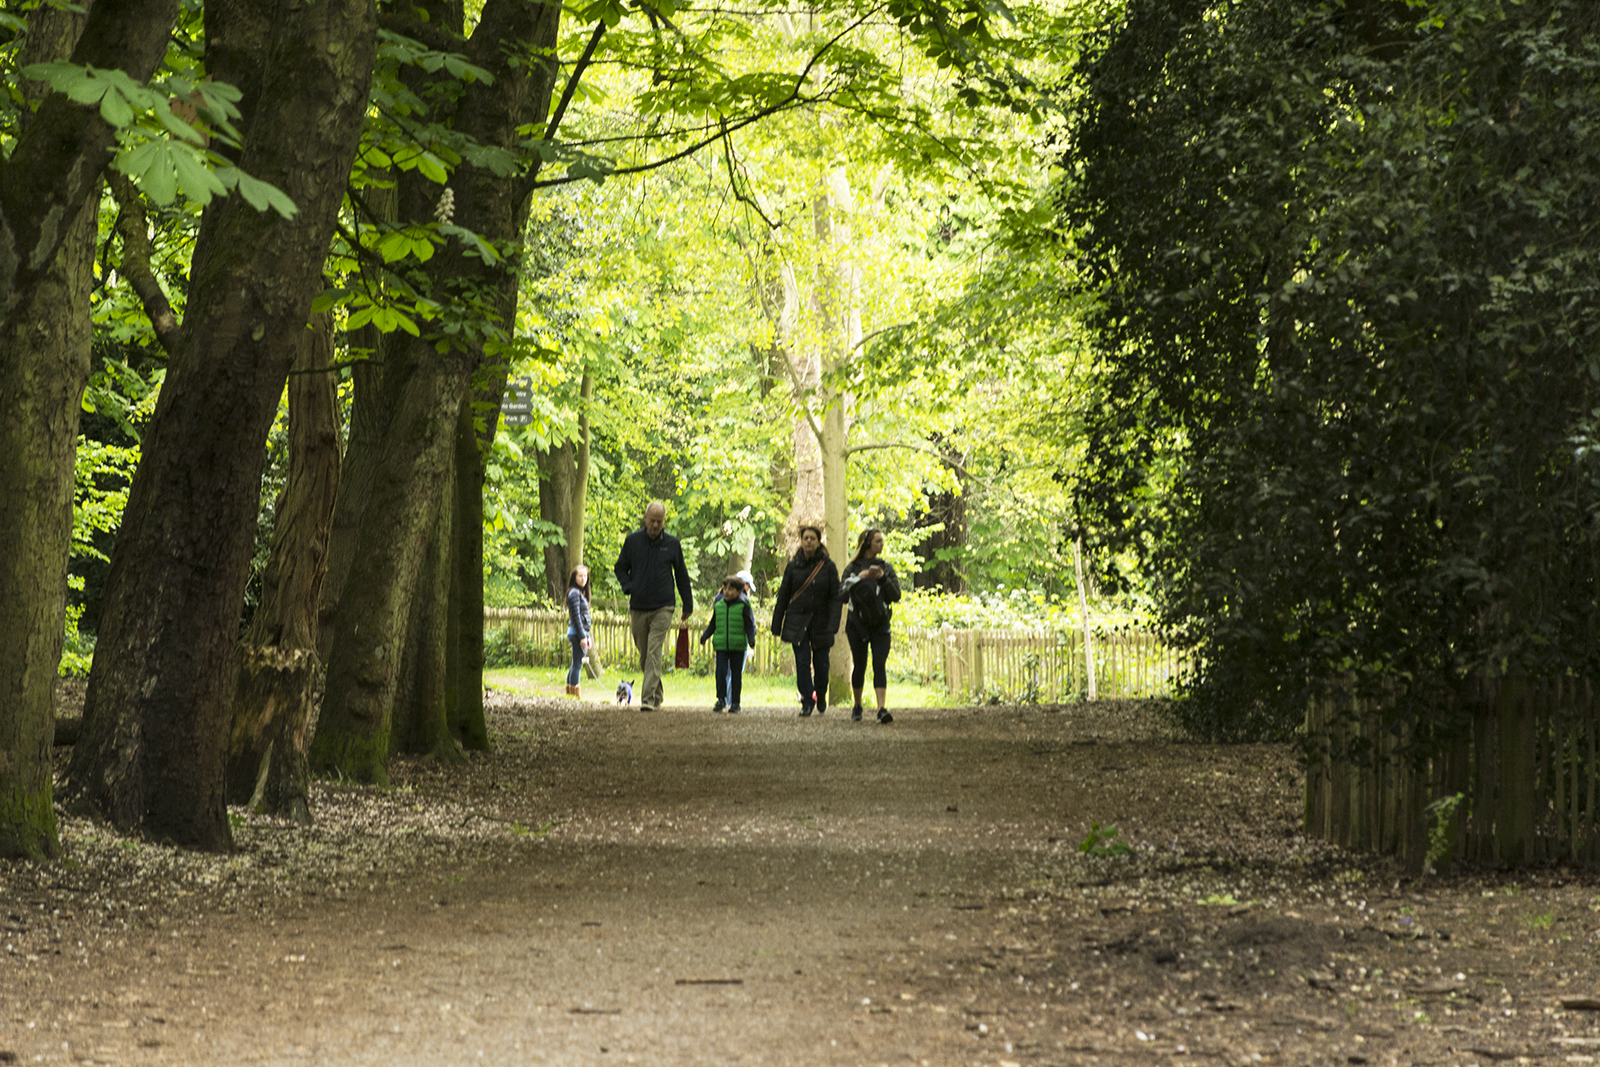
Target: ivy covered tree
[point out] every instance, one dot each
(1348, 340)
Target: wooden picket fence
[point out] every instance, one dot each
(1519, 784)
(1041, 666)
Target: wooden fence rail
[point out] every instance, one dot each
(1038, 665)
(1518, 786)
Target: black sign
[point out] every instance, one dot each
(516, 406)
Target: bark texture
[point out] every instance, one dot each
(375, 607)
(44, 364)
(278, 665)
(157, 713)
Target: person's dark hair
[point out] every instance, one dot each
(861, 545)
(572, 583)
(822, 549)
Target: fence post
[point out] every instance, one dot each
(977, 661)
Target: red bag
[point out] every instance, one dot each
(681, 659)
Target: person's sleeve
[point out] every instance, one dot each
(750, 625)
(711, 628)
(780, 604)
(681, 572)
(889, 585)
(624, 570)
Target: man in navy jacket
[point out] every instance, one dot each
(650, 563)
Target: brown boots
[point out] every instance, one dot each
(574, 692)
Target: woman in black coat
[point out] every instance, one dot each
(807, 616)
(872, 587)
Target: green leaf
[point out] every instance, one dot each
(432, 168)
(159, 180)
(328, 299)
(195, 178)
(115, 110)
(263, 195)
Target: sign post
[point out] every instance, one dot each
(516, 406)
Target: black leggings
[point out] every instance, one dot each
(860, 640)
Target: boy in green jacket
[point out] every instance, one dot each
(731, 631)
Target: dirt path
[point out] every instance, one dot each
(680, 888)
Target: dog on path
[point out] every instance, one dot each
(624, 692)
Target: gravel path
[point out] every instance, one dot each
(681, 888)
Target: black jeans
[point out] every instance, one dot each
(811, 673)
(860, 641)
(730, 677)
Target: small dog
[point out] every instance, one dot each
(624, 692)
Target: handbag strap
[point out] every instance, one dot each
(796, 594)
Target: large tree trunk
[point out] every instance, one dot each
(266, 767)
(475, 430)
(157, 715)
(371, 623)
(353, 733)
(558, 472)
(837, 302)
(42, 376)
(422, 724)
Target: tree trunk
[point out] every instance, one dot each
(422, 722)
(558, 473)
(42, 375)
(272, 705)
(369, 421)
(353, 733)
(837, 302)
(267, 769)
(464, 640)
(157, 714)
(370, 625)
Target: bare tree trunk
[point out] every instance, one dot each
(157, 715)
(837, 302)
(558, 472)
(422, 723)
(42, 375)
(279, 668)
(370, 625)
(371, 404)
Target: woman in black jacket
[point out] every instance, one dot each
(807, 616)
(871, 587)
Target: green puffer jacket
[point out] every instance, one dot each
(732, 627)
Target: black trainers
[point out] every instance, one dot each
(805, 712)
(733, 710)
(855, 713)
(718, 706)
(884, 718)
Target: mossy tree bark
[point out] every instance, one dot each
(42, 374)
(514, 39)
(278, 664)
(157, 714)
(422, 725)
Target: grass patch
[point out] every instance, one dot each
(686, 689)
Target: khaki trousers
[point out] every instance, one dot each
(650, 629)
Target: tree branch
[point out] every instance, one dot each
(133, 226)
(872, 446)
(794, 98)
(572, 83)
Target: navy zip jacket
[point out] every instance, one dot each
(646, 571)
